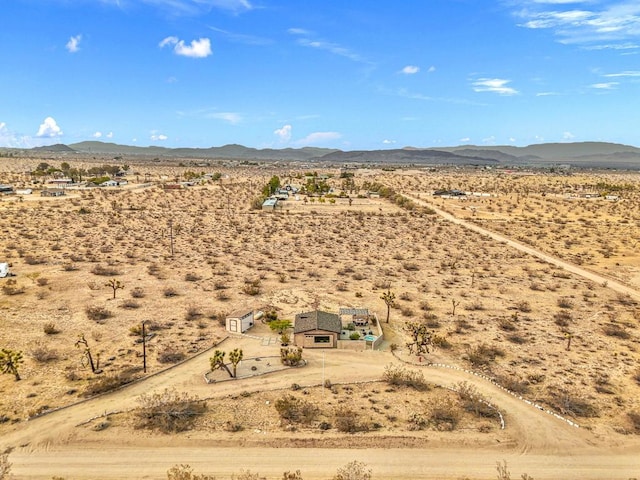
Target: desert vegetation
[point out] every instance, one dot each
(181, 259)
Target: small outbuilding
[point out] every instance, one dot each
(52, 192)
(317, 329)
(240, 322)
(4, 270)
(270, 204)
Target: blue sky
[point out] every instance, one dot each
(349, 74)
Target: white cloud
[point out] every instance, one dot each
(298, 31)
(200, 48)
(388, 142)
(410, 70)
(97, 135)
(110, 135)
(465, 140)
(605, 85)
(158, 136)
(319, 137)
(73, 45)
(608, 22)
(431, 69)
(284, 133)
(495, 85)
(196, 7)
(49, 129)
(628, 73)
(568, 136)
(230, 117)
(490, 139)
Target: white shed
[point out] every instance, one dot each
(240, 322)
(4, 270)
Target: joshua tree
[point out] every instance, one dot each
(389, 298)
(10, 361)
(82, 343)
(115, 285)
(235, 357)
(217, 362)
(454, 304)
(421, 338)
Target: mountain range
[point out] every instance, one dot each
(577, 154)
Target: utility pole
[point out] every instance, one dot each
(171, 234)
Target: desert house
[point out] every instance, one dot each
(317, 329)
(270, 204)
(60, 181)
(240, 322)
(6, 189)
(52, 192)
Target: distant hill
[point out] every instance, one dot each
(578, 154)
(238, 152)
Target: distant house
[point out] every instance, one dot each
(52, 192)
(240, 322)
(60, 181)
(270, 204)
(6, 189)
(317, 329)
(24, 191)
(113, 183)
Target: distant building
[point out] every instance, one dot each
(270, 204)
(6, 189)
(240, 322)
(52, 192)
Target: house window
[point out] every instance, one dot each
(322, 339)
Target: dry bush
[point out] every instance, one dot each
(192, 277)
(109, 383)
(348, 421)
(137, 292)
(130, 304)
(571, 403)
(171, 355)
(42, 281)
(193, 312)
(634, 419)
(168, 411)
(33, 260)
(185, 472)
(170, 292)
(523, 306)
(398, 375)
(353, 471)
(484, 355)
(11, 287)
(474, 402)
(296, 410)
(97, 313)
(444, 415)
(50, 328)
(105, 270)
(614, 330)
(565, 302)
(43, 354)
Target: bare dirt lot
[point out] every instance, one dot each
(551, 335)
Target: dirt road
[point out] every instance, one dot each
(569, 267)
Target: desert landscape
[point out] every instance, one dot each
(525, 283)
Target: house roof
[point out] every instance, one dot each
(270, 202)
(354, 311)
(317, 320)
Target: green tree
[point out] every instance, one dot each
(271, 187)
(217, 362)
(115, 285)
(235, 357)
(389, 299)
(10, 361)
(280, 326)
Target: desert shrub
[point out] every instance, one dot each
(562, 318)
(97, 313)
(192, 277)
(425, 306)
(506, 324)
(474, 402)
(130, 304)
(33, 260)
(634, 420)
(170, 292)
(348, 421)
(353, 471)
(296, 410)
(444, 415)
(441, 341)
(614, 330)
(171, 355)
(109, 383)
(42, 281)
(636, 376)
(431, 320)
(523, 306)
(137, 292)
(354, 336)
(50, 328)
(571, 403)
(484, 355)
(185, 472)
(475, 306)
(565, 302)
(513, 383)
(11, 287)
(168, 411)
(517, 338)
(105, 270)
(252, 287)
(407, 311)
(193, 313)
(44, 355)
(398, 375)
